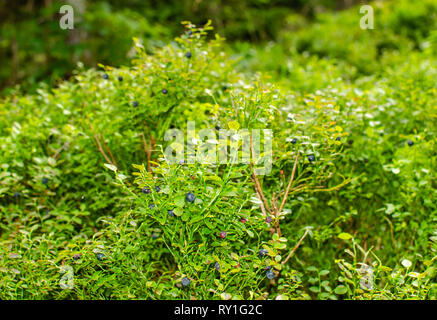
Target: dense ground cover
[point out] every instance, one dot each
(86, 194)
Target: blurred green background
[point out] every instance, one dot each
(34, 48)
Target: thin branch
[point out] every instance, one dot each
(99, 146)
(147, 151)
(109, 151)
(296, 246)
(289, 184)
(255, 177)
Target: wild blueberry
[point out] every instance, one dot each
(181, 162)
(164, 91)
(293, 141)
(224, 88)
(190, 33)
(157, 189)
(135, 104)
(217, 128)
(338, 138)
(269, 219)
(146, 190)
(185, 282)
(217, 266)
(263, 252)
(190, 197)
(105, 76)
(154, 235)
(120, 78)
(16, 194)
(223, 234)
(77, 257)
(270, 274)
(151, 206)
(410, 143)
(45, 180)
(171, 213)
(311, 158)
(366, 160)
(100, 256)
(188, 54)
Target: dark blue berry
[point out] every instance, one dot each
(293, 141)
(217, 128)
(154, 235)
(217, 266)
(270, 274)
(157, 189)
(263, 252)
(146, 190)
(366, 160)
(190, 33)
(311, 158)
(77, 257)
(181, 162)
(338, 138)
(16, 194)
(269, 219)
(410, 143)
(105, 76)
(190, 197)
(100, 256)
(188, 54)
(185, 282)
(120, 78)
(45, 180)
(151, 206)
(171, 213)
(135, 104)
(164, 91)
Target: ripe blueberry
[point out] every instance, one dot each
(100, 256)
(217, 128)
(190, 33)
(105, 76)
(16, 194)
(311, 158)
(270, 274)
(151, 206)
(268, 219)
(293, 141)
(77, 257)
(181, 162)
(338, 138)
(164, 91)
(188, 54)
(154, 235)
(223, 234)
(185, 282)
(120, 78)
(135, 104)
(146, 190)
(45, 180)
(190, 197)
(157, 189)
(263, 252)
(410, 143)
(171, 213)
(217, 266)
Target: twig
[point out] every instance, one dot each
(255, 177)
(109, 151)
(296, 246)
(99, 146)
(289, 184)
(147, 151)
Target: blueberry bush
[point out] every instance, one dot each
(90, 208)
